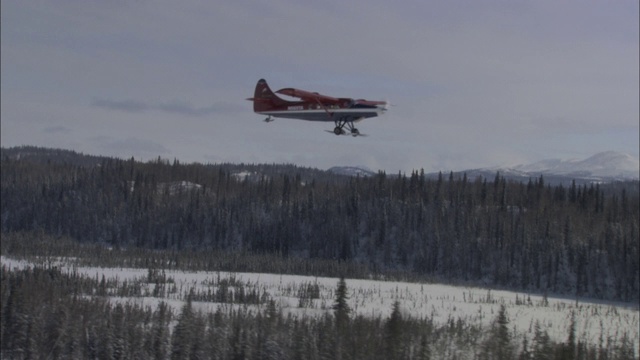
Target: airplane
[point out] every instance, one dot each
(344, 112)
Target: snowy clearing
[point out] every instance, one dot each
(596, 321)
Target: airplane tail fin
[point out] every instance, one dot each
(263, 98)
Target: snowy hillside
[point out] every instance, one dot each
(604, 167)
(609, 164)
(351, 171)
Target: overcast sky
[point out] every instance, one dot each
(473, 83)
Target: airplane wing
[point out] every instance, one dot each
(308, 96)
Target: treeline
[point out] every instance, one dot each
(44, 249)
(578, 240)
(47, 314)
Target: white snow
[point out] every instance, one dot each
(604, 164)
(371, 298)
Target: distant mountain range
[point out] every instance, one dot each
(604, 167)
(609, 164)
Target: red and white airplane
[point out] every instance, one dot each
(315, 107)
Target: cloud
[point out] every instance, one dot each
(474, 84)
(56, 129)
(187, 109)
(123, 105)
(174, 107)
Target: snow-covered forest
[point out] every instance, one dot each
(69, 217)
(580, 240)
(65, 308)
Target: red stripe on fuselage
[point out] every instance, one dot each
(313, 106)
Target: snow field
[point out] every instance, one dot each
(595, 320)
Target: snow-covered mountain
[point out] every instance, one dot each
(604, 167)
(609, 164)
(351, 171)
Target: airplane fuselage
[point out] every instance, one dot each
(312, 112)
(314, 107)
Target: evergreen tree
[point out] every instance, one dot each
(525, 354)
(341, 311)
(542, 347)
(183, 334)
(425, 349)
(625, 349)
(569, 348)
(498, 345)
(393, 333)
(341, 307)
(159, 332)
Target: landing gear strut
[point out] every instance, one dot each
(339, 129)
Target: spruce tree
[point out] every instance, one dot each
(341, 311)
(340, 307)
(542, 346)
(498, 345)
(159, 331)
(393, 333)
(569, 348)
(183, 334)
